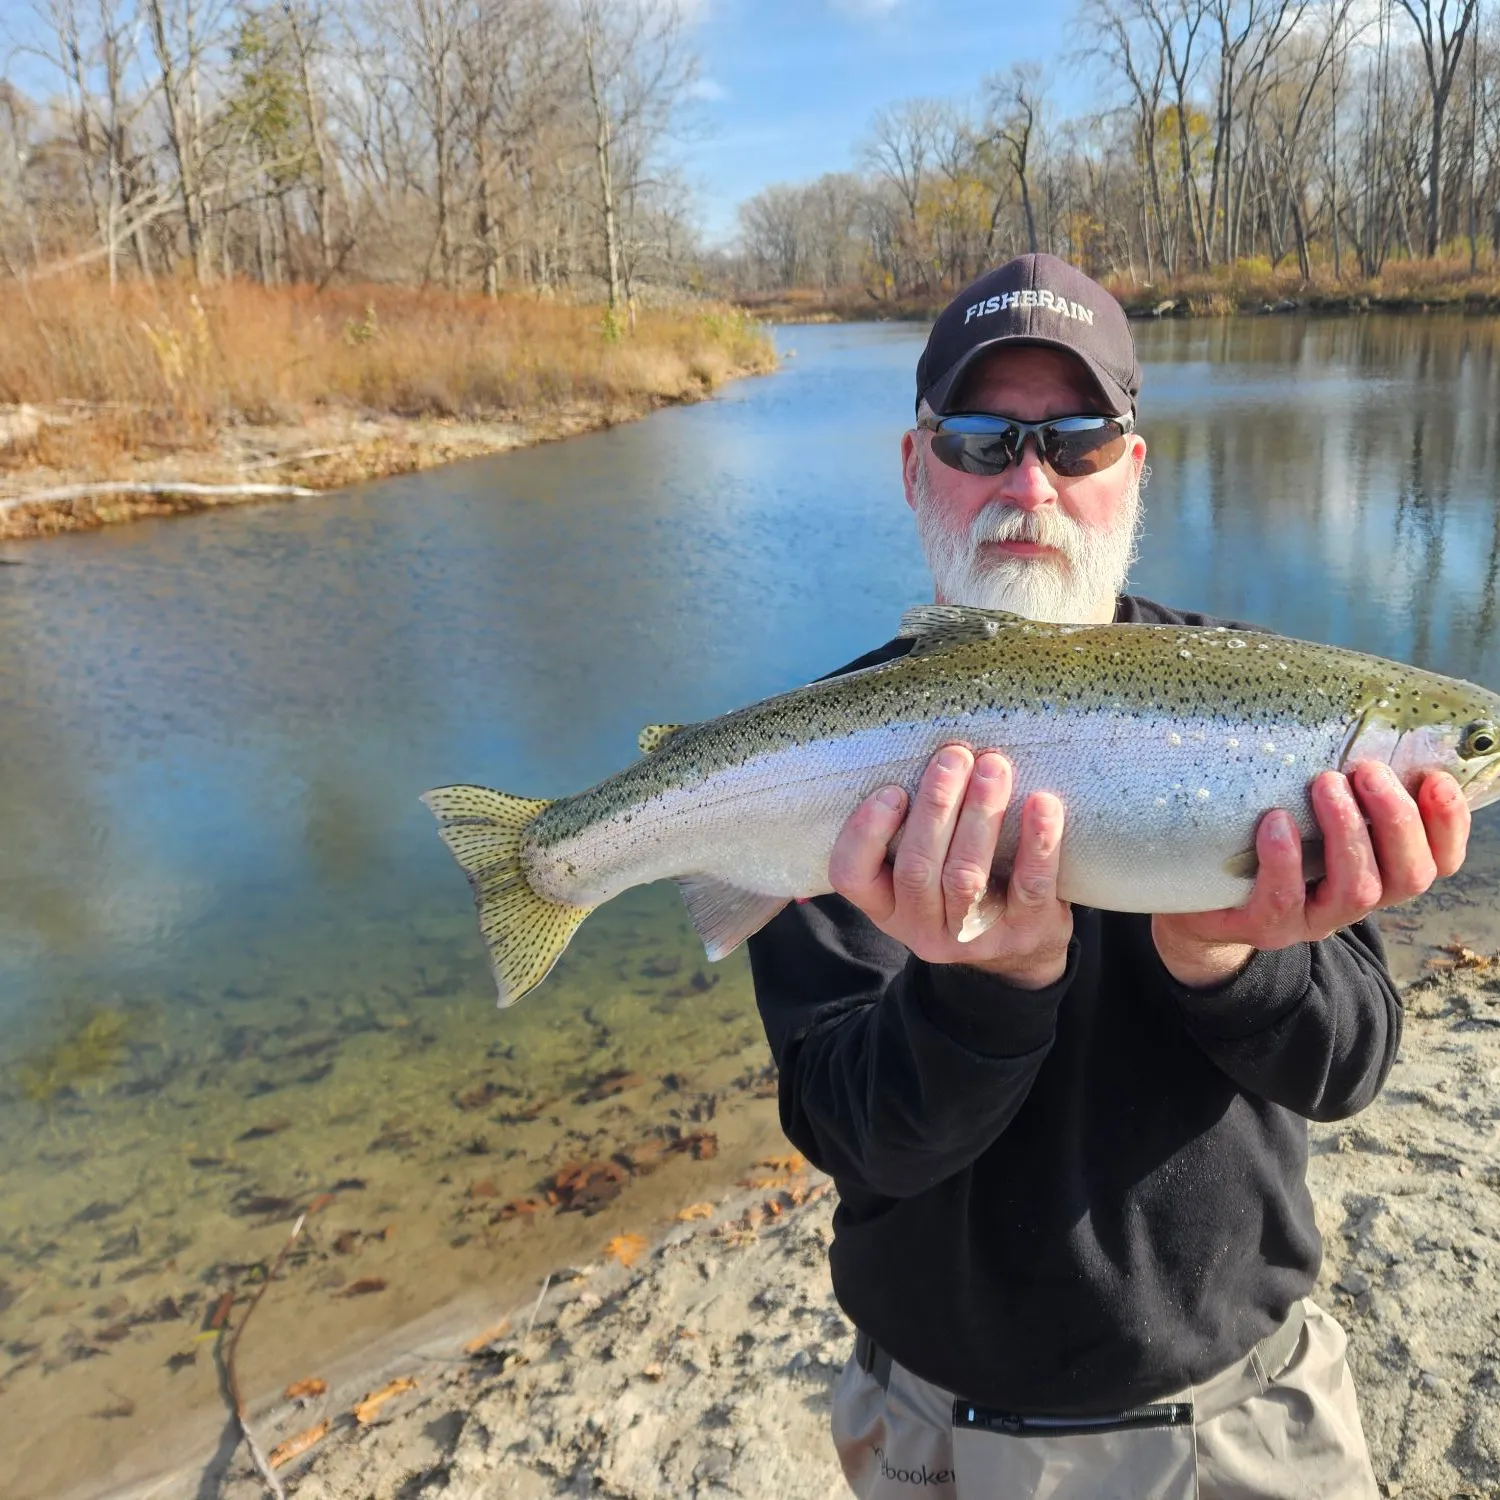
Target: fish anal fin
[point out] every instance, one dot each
(724, 914)
(524, 932)
(933, 625)
(654, 736)
(1246, 864)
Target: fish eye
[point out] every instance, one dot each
(1479, 739)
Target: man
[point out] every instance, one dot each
(1074, 1231)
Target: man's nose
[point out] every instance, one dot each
(1027, 484)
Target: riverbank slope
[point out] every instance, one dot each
(708, 1366)
(156, 400)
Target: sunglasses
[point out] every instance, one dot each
(981, 443)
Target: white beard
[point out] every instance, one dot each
(1072, 589)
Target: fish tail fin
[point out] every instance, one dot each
(525, 932)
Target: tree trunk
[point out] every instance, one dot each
(603, 164)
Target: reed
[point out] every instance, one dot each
(166, 365)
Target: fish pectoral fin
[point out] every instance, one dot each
(1246, 864)
(524, 932)
(724, 914)
(933, 625)
(654, 736)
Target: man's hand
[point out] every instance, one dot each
(939, 886)
(1406, 845)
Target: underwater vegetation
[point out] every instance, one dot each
(94, 1042)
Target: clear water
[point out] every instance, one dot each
(237, 969)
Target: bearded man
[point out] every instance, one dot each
(1074, 1232)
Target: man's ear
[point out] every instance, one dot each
(1137, 453)
(911, 457)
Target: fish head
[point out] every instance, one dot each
(1434, 724)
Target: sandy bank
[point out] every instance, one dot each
(707, 1368)
(248, 464)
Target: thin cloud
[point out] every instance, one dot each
(707, 90)
(866, 10)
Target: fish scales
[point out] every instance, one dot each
(1165, 743)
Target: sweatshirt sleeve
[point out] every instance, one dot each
(1313, 1027)
(895, 1074)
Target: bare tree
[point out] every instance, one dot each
(1015, 100)
(1442, 42)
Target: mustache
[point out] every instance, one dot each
(1047, 527)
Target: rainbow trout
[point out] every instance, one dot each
(1166, 744)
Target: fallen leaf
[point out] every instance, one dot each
(517, 1208)
(305, 1390)
(642, 1156)
(653, 1371)
(695, 1211)
(488, 1337)
(364, 1286)
(322, 1201)
(365, 1411)
(795, 1162)
(295, 1447)
(607, 1085)
(626, 1248)
(1466, 958)
(219, 1313)
(347, 1242)
(485, 1188)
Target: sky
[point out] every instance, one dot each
(787, 88)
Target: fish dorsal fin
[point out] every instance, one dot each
(724, 914)
(941, 624)
(654, 736)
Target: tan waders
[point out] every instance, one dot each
(1281, 1424)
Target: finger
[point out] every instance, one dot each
(1351, 888)
(917, 874)
(1396, 832)
(1274, 909)
(1445, 814)
(1033, 879)
(857, 867)
(971, 851)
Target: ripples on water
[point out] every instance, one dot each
(237, 969)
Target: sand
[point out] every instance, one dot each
(707, 1367)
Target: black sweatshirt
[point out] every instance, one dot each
(1075, 1199)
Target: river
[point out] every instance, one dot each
(239, 975)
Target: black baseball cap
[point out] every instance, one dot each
(1033, 299)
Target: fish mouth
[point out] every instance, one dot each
(1483, 787)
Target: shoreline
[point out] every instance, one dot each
(1156, 303)
(708, 1364)
(253, 465)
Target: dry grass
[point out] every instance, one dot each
(1251, 285)
(168, 367)
(1248, 286)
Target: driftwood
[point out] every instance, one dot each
(148, 487)
(229, 1347)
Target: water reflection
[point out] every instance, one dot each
(212, 734)
(1335, 479)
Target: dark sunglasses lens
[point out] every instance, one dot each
(975, 453)
(1076, 453)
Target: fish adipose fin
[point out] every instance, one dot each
(654, 736)
(525, 932)
(724, 914)
(1246, 864)
(941, 624)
